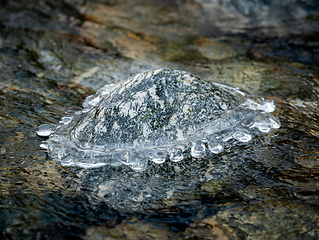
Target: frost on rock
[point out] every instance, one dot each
(155, 116)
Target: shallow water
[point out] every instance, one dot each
(55, 55)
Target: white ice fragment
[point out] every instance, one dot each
(46, 130)
(91, 101)
(176, 154)
(67, 159)
(107, 88)
(137, 162)
(68, 164)
(139, 167)
(84, 145)
(215, 143)
(121, 157)
(198, 149)
(231, 89)
(242, 136)
(56, 151)
(78, 112)
(44, 145)
(266, 106)
(85, 110)
(227, 136)
(158, 156)
(66, 120)
(88, 165)
(215, 147)
(263, 126)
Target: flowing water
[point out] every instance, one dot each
(53, 54)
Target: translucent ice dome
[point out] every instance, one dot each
(157, 115)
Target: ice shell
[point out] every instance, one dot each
(133, 159)
(266, 105)
(157, 155)
(66, 120)
(155, 116)
(46, 130)
(242, 136)
(43, 145)
(177, 153)
(198, 149)
(215, 147)
(67, 161)
(137, 162)
(266, 125)
(214, 143)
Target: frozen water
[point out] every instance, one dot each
(156, 116)
(242, 136)
(198, 149)
(66, 120)
(157, 155)
(45, 130)
(176, 153)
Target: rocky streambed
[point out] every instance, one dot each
(55, 54)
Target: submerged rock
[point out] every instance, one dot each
(155, 116)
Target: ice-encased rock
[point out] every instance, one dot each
(157, 115)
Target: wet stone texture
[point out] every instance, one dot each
(54, 54)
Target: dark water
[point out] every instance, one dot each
(53, 54)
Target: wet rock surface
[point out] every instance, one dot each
(55, 54)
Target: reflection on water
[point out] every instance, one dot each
(53, 55)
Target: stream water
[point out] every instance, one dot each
(53, 54)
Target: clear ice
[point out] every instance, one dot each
(155, 116)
